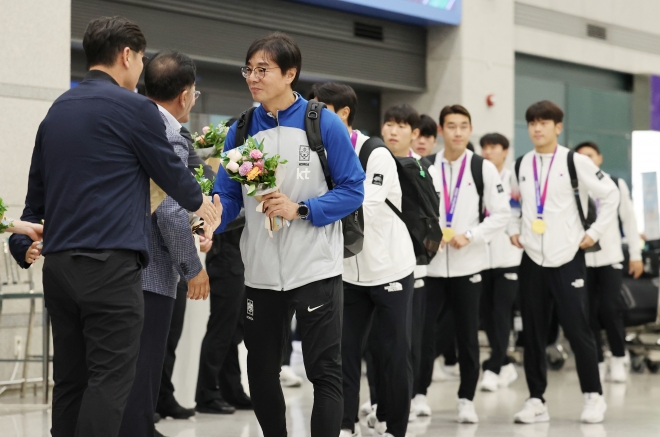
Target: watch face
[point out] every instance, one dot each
(303, 210)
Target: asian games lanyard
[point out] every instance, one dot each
(540, 197)
(354, 138)
(450, 206)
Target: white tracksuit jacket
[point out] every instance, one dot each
(502, 253)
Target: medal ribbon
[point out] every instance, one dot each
(540, 197)
(450, 206)
(354, 138)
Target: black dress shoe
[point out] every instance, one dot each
(175, 411)
(157, 417)
(218, 406)
(242, 402)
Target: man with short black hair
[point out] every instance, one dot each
(300, 268)
(378, 283)
(554, 233)
(94, 154)
(605, 275)
(500, 279)
(470, 185)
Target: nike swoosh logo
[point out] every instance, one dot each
(314, 309)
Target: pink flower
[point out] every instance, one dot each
(245, 168)
(256, 154)
(205, 129)
(259, 164)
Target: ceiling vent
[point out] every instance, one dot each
(368, 31)
(598, 32)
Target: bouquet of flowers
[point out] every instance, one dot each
(211, 142)
(4, 222)
(261, 175)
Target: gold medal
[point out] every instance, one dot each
(447, 234)
(538, 226)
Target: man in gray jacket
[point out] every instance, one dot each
(170, 82)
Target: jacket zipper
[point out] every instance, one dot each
(357, 266)
(543, 235)
(278, 236)
(451, 181)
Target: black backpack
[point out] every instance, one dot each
(587, 220)
(420, 204)
(352, 224)
(477, 170)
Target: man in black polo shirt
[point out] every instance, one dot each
(89, 179)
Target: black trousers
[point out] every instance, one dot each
(138, 418)
(391, 306)
(166, 394)
(462, 295)
(94, 298)
(606, 306)
(563, 288)
(318, 308)
(445, 338)
(500, 291)
(418, 315)
(227, 299)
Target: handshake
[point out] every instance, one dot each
(211, 212)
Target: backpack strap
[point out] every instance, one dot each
(517, 167)
(242, 126)
(313, 131)
(369, 146)
(477, 169)
(576, 191)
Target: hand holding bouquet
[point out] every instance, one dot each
(212, 141)
(261, 175)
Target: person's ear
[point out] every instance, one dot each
(290, 75)
(344, 113)
(559, 127)
(125, 57)
(183, 98)
(439, 131)
(415, 133)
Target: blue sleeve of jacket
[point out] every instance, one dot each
(231, 195)
(346, 172)
(36, 195)
(19, 244)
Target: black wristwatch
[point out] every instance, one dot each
(303, 211)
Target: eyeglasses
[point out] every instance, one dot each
(196, 94)
(259, 72)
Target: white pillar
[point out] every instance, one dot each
(467, 63)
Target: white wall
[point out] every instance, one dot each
(640, 15)
(35, 42)
(467, 63)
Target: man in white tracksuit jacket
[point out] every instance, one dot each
(553, 271)
(454, 275)
(378, 284)
(605, 276)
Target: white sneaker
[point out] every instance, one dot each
(602, 371)
(348, 433)
(508, 374)
(366, 409)
(618, 369)
(490, 381)
(533, 411)
(380, 428)
(439, 374)
(412, 417)
(466, 412)
(594, 408)
(371, 417)
(453, 371)
(288, 377)
(421, 405)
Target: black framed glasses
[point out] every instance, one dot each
(259, 72)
